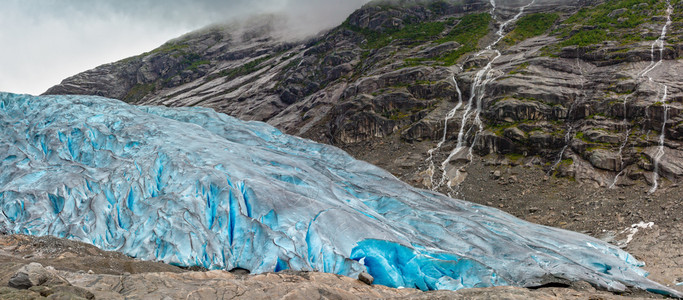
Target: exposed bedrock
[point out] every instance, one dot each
(389, 73)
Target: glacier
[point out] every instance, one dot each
(189, 186)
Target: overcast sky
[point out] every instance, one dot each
(45, 41)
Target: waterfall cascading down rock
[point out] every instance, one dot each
(659, 42)
(653, 65)
(660, 149)
(620, 154)
(430, 158)
(474, 106)
(189, 186)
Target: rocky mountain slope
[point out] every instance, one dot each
(587, 90)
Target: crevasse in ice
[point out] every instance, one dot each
(189, 186)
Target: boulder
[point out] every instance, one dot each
(366, 278)
(605, 159)
(34, 274)
(514, 134)
(617, 12)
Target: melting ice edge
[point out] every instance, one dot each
(189, 186)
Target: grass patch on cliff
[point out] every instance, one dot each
(169, 47)
(138, 92)
(514, 157)
(242, 70)
(531, 26)
(195, 64)
(413, 33)
(467, 33)
(617, 14)
(586, 38)
(396, 115)
(613, 20)
(420, 32)
(520, 68)
(400, 114)
(470, 28)
(192, 61)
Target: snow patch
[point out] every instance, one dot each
(634, 229)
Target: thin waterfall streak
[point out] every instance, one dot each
(567, 139)
(616, 179)
(570, 130)
(660, 150)
(476, 96)
(451, 113)
(623, 144)
(431, 169)
(662, 136)
(652, 61)
(478, 88)
(621, 158)
(659, 42)
(501, 30)
(625, 110)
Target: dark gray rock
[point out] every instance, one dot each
(21, 281)
(366, 278)
(240, 271)
(515, 134)
(34, 274)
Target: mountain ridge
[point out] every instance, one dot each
(386, 72)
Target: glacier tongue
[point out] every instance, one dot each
(189, 186)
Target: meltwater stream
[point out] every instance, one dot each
(189, 186)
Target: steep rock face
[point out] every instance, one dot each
(201, 68)
(584, 90)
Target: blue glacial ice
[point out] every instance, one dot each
(189, 186)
